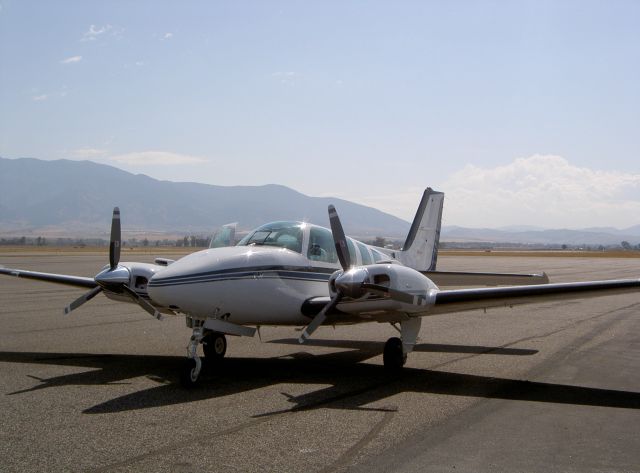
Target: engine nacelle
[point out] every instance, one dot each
(393, 276)
(139, 276)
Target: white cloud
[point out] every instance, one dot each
(95, 31)
(544, 191)
(156, 158)
(71, 60)
(167, 36)
(285, 77)
(39, 98)
(283, 74)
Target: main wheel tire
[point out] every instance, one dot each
(393, 357)
(188, 379)
(214, 346)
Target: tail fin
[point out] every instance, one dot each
(420, 250)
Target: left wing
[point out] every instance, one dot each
(461, 278)
(77, 281)
(481, 298)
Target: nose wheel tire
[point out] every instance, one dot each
(393, 357)
(189, 375)
(214, 346)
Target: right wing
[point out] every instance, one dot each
(77, 281)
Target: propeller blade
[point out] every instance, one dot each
(339, 238)
(82, 299)
(400, 296)
(319, 319)
(114, 245)
(142, 303)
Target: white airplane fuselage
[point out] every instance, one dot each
(249, 284)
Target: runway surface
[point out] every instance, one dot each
(545, 387)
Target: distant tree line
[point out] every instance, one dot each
(199, 241)
(192, 241)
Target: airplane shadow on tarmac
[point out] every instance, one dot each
(352, 384)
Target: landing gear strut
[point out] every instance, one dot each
(190, 372)
(214, 345)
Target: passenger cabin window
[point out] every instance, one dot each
(279, 234)
(321, 246)
(377, 256)
(364, 254)
(352, 250)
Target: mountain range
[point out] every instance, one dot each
(543, 237)
(75, 198)
(79, 196)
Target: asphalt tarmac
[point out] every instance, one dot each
(538, 388)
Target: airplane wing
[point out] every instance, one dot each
(458, 278)
(459, 300)
(77, 281)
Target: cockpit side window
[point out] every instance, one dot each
(364, 254)
(321, 246)
(279, 234)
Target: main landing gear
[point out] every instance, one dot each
(396, 349)
(393, 356)
(214, 347)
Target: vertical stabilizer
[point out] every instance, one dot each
(420, 250)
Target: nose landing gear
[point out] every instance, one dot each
(214, 347)
(190, 371)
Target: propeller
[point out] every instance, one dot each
(115, 278)
(339, 239)
(142, 303)
(340, 242)
(82, 299)
(114, 244)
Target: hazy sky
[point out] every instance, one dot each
(522, 112)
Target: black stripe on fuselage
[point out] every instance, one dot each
(262, 272)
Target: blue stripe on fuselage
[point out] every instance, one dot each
(281, 272)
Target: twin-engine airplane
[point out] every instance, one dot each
(298, 274)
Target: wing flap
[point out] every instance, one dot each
(459, 300)
(68, 280)
(459, 278)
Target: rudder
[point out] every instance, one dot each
(420, 250)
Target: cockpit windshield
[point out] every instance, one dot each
(279, 234)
